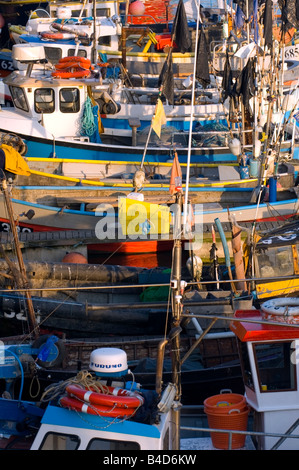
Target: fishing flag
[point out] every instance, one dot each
(180, 31)
(239, 18)
(244, 85)
(289, 15)
(176, 176)
(159, 118)
(166, 81)
(246, 5)
(202, 63)
(268, 24)
(227, 83)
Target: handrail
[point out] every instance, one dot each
(230, 432)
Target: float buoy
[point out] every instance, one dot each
(136, 8)
(287, 306)
(75, 258)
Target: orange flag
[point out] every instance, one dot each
(176, 176)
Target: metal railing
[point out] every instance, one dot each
(281, 436)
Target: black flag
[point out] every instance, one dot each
(227, 82)
(268, 24)
(245, 5)
(166, 79)
(288, 14)
(202, 61)
(244, 85)
(180, 31)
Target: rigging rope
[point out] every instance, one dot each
(83, 378)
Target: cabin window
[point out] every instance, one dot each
(104, 41)
(19, 98)
(57, 441)
(44, 101)
(245, 364)
(76, 13)
(275, 261)
(105, 12)
(106, 444)
(53, 54)
(69, 100)
(80, 53)
(275, 369)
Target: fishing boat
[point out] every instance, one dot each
(270, 386)
(275, 263)
(44, 140)
(70, 141)
(270, 396)
(143, 38)
(40, 217)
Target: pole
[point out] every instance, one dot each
(94, 47)
(176, 318)
(191, 120)
(31, 313)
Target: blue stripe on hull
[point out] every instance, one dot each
(38, 149)
(181, 125)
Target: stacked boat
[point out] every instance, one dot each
(84, 157)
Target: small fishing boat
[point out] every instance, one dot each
(268, 340)
(275, 263)
(44, 137)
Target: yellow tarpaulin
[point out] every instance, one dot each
(143, 218)
(14, 162)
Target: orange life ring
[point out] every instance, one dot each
(74, 74)
(117, 397)
(75, 58)
(57, 36)
(114, 412)
(67, 65)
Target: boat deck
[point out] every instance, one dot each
(69, 237)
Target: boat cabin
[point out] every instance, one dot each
(63, 429)
(84, 420)
(268, 354)
(276, 256)
(55, 106)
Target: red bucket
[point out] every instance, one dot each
(235, 420)
(224, 402)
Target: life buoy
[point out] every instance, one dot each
(57, 36)
(99, 410)
(75, 58)
(67, 65)
(287, 306)
(117, 397)
(66, 29)
(74, 74)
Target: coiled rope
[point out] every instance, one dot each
(83, 378)
(88, 126)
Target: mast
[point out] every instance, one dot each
(94, 42)
(191, 119)
(176, 304)
(31, 314)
